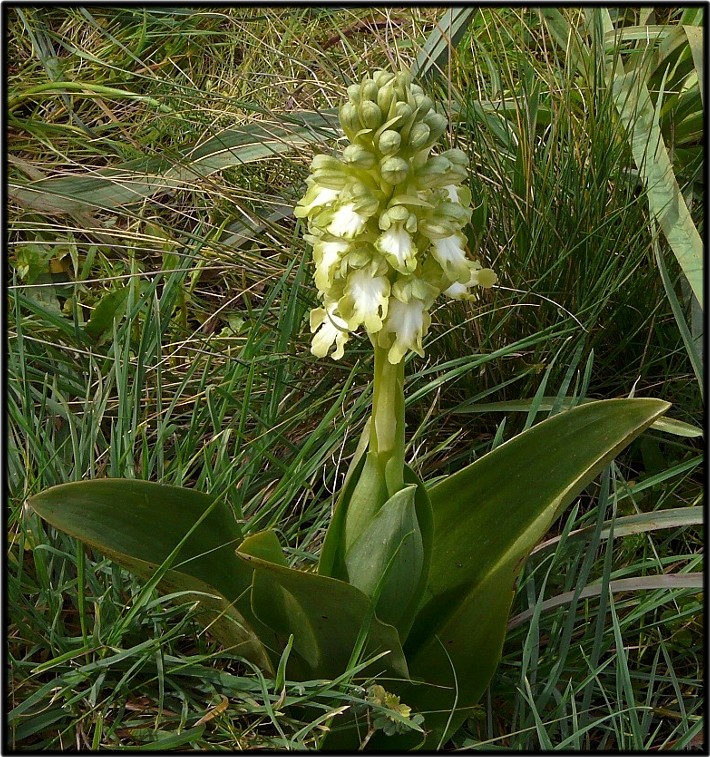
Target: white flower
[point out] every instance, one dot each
(327, 255)
(456, 291)
(328, 328)
(315, 197)
(408, 321)
(450, 253)
(397, 245)
(366, 300)
(347, 222)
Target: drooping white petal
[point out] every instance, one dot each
(397, 244)
(456, 291)
(450, 253)
(315, 197)
(367, 297)
(408, 321)
(449, 250)
(346, 222)
(327, 255)
(328, 328)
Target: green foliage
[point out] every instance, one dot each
(203, 381)
(486, 520)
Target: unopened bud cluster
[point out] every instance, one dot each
(385, 220)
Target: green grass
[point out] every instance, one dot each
(165, 337)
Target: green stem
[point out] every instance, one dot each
(387, 427)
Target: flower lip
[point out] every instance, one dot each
(397, 244)
(346, 222)
(408, 321)
(328, 328)
(367, 297)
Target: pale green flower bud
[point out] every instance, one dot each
(357, 155)
(436, 122)
(423, 103)
(389, 142)
(355, 93)
(404, 80)
(370, 114)
(438, 172)
(369, 90)
(381, 78)
(404, 113)
(349, 120)
(456, 157)
(394, 170)
(419, 136)
(386, 96)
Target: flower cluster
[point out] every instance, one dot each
(385, 221)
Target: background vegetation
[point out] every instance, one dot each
(157, 329)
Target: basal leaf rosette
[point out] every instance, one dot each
(386, 221)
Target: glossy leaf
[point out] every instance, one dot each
(331, 622)
(138, 524)
(387, 560)
(487, 519)
(668, 425)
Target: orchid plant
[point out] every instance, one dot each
(415, 580)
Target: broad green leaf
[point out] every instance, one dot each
(387, 560)
(487, 519)
(327, 618)
(367, 497)
(668, 425)
(264, 545)
(138, 524)
(331, 555)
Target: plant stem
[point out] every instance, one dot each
(387, 427)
